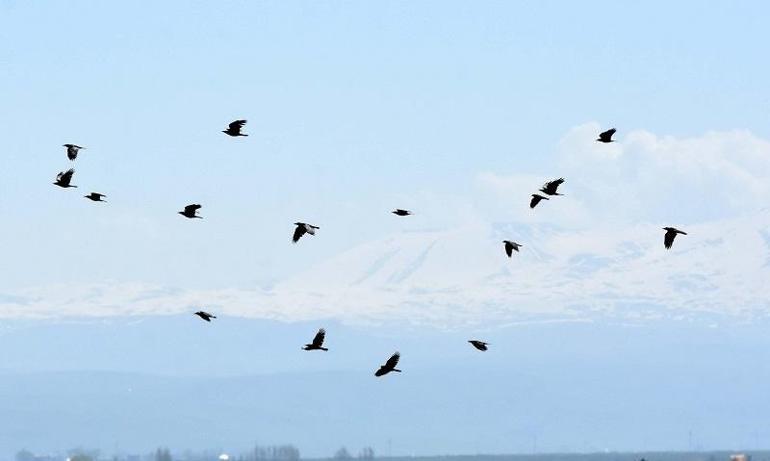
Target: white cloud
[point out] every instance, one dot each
(645, 177)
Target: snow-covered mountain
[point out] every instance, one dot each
(462, 276)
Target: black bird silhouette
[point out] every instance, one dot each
(400, 212)
(607, 135)
(302, 229)
(550, 187)
(389, 366)
(63, 178)
(536, 199)
(205, 316)
(510, 247)
(480, 345)
(72, 150)
(191, 211)
(95, 196)
(668, 239)
(318, 342)
(234, 129)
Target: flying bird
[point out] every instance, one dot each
(95, 196)
(400, 212)
(510, 247)
(205, 316)
(389, 366)
(318, 342)
(668, 239)
(536, 198)
(72, 150)
(63, 178)
(191, 211)
(234, 129)
(607, 135)
(480, 345)
(302, 229)
(550, 187)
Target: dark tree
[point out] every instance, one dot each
(162, 454)
(25, 455)
(342, 453)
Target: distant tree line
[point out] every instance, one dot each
(271, 453)
(343, 453)
(286, 452)
(75, 454)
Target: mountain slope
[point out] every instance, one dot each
(461, 276)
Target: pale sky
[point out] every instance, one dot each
(353, 110)
(455, 110)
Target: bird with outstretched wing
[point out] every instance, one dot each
(234, 128)
(550, 187)
(606, 136)
(318, 342)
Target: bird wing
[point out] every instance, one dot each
(607, 135)
(551, 186)
(535, 200)
(480, 345)
(192, 208)
(237, 125)
(298, 233)
(508, 249)
(310, 229)
(668, 239)
(66, 177)
(319, 338)
(392, 361)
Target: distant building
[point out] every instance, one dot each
(740, 457)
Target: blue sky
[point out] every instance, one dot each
(456, 110)
(353, 110)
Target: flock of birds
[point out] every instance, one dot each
(235, 129)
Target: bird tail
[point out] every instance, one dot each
(396, 370)
(323, 348)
